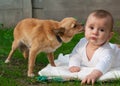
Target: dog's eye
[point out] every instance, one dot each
(74, 25)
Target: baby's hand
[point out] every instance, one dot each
(92, 77)
(74, 69)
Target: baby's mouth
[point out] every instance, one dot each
(93, 38)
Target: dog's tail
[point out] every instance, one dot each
(24, 49)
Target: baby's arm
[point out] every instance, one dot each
(92, 77)
(74, 63)
(74, 69)
(75, 56)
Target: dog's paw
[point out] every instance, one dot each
(31, 75)
(7, 61)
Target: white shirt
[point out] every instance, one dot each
(101, 60)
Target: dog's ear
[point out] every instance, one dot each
(59, 31)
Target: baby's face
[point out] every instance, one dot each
(97, 30)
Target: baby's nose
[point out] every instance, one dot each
(95, 32)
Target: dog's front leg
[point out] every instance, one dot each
(51, 59)
(31, 62)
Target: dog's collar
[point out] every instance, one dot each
(58, 38)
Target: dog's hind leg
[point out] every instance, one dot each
(31, 60)
(14, 47)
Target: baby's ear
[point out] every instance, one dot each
(111, 35)
(59, 31)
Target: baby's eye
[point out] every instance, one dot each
(102, 30)
(91, 27)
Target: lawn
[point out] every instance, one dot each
(15, 73)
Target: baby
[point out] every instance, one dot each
(94, 50)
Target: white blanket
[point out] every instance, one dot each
(61, 70)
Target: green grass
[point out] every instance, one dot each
(15, 73)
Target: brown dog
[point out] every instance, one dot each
(32, 36)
